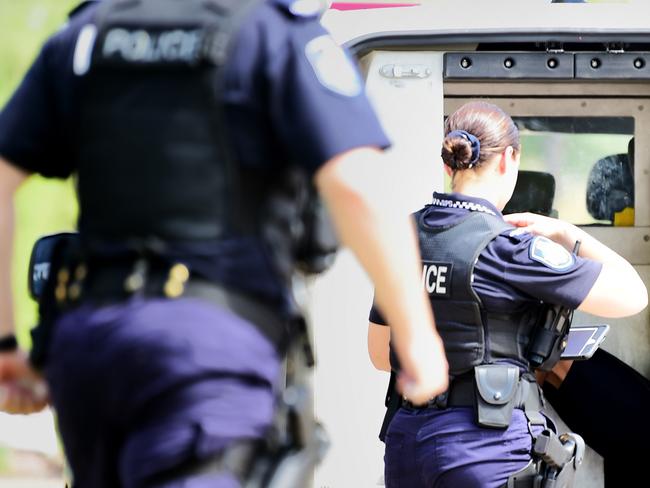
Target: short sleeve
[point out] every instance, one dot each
(545, 270)
(375, 316)
(31, 130)
(318, 104)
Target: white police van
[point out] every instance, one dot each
(576, 79)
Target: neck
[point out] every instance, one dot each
(472, 185)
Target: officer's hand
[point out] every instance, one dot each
(424, 371)
(22, 389)
(559, 231)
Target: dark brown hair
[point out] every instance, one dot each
(493, 127)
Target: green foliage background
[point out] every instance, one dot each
(42, 206)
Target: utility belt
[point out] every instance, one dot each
(74, 276)
(494, 391)
(111, 282)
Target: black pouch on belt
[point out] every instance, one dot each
(496, 388)
(50, 277)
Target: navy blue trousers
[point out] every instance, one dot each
(429, 448)
(146, 386)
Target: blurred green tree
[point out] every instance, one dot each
(42, 206)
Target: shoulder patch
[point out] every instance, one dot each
(550, 254)
(333, 68)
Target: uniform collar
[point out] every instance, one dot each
(464, 202)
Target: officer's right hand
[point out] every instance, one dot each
(557, 230)
(424, 370)
(22, 389)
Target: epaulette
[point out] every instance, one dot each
(302, 8)
(80, 7)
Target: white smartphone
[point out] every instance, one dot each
(584, 340)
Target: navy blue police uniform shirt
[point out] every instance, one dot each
(291, 96)
(517, 269)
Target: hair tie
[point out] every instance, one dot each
(473, 141)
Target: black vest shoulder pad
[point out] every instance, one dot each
(79, 8)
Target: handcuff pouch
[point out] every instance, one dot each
(496, 388)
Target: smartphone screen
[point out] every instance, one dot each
(583, 341)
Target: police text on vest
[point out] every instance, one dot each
(436, 278)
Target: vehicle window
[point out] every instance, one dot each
(590, 161)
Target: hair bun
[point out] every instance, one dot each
(461, 143)
(457, 152)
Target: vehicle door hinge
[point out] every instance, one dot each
(405, 71)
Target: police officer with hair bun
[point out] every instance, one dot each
(493, 281)
(196, 129)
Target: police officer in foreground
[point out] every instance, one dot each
(163, 325)
(501, 288)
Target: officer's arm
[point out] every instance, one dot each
(379, 346)
(382, 236)
(618, 291)
(10, 178)
(22, 389)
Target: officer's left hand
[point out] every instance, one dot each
(22, 389)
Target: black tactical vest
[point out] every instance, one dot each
(153, 157)
(471, 335)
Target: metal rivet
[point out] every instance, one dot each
(509, 63)
(179, 272)
(465, 63)
(639, 63)
(63, 276)
(80, 272)
(595, 63)
(74, 292)
(552, 63)
(134, 282)
(497, 395)
(173, 289)
(60, 293)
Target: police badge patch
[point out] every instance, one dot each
(550, 254)
(333, 67)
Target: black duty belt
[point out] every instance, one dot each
(461, 393)
(120, 281)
